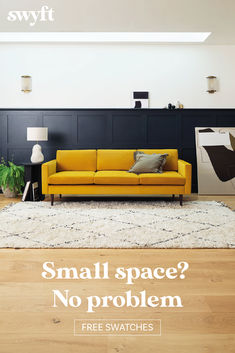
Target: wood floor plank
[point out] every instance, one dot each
(206, 323)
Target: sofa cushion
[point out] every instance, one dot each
(79, 160)
(111, 177)
(115, 159)
(71, 178)
(166, 178)
(172, 158)
(148, 163)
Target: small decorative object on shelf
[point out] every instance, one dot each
(211, 81)
(171, 106)
(180, 105)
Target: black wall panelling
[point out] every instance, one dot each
(164, 129)
(94, 128)
(14, 133)
(108, 128)
(1, 132)
(128, 129)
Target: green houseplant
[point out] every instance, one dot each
(11, 178)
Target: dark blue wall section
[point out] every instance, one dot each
(108, 128)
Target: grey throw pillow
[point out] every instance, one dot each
(148, 163)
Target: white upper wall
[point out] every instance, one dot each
(105, 75)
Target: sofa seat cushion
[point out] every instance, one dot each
(71, 178)
(166, 178)
(111, 177)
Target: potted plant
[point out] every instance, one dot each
(11, 178)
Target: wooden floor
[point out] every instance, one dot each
(205, 324)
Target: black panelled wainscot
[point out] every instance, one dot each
(108, 128)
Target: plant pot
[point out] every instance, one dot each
(9, 193)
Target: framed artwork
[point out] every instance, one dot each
(140, 100)
(215, 147)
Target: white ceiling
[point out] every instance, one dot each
(216, 16)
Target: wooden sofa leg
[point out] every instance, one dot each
(52, 199)
(181, 200)
(60, 196)
(173, 197)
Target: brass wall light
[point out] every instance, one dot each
(211, 82)
(26, 84)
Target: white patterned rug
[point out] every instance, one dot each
(117, 224)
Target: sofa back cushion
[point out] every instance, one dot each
(76, 160)
(115, 159)
(171, 160)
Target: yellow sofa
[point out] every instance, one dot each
(105, 172)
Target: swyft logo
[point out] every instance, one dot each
(32, 17)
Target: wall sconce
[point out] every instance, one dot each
(211, 81)
(26, 84)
